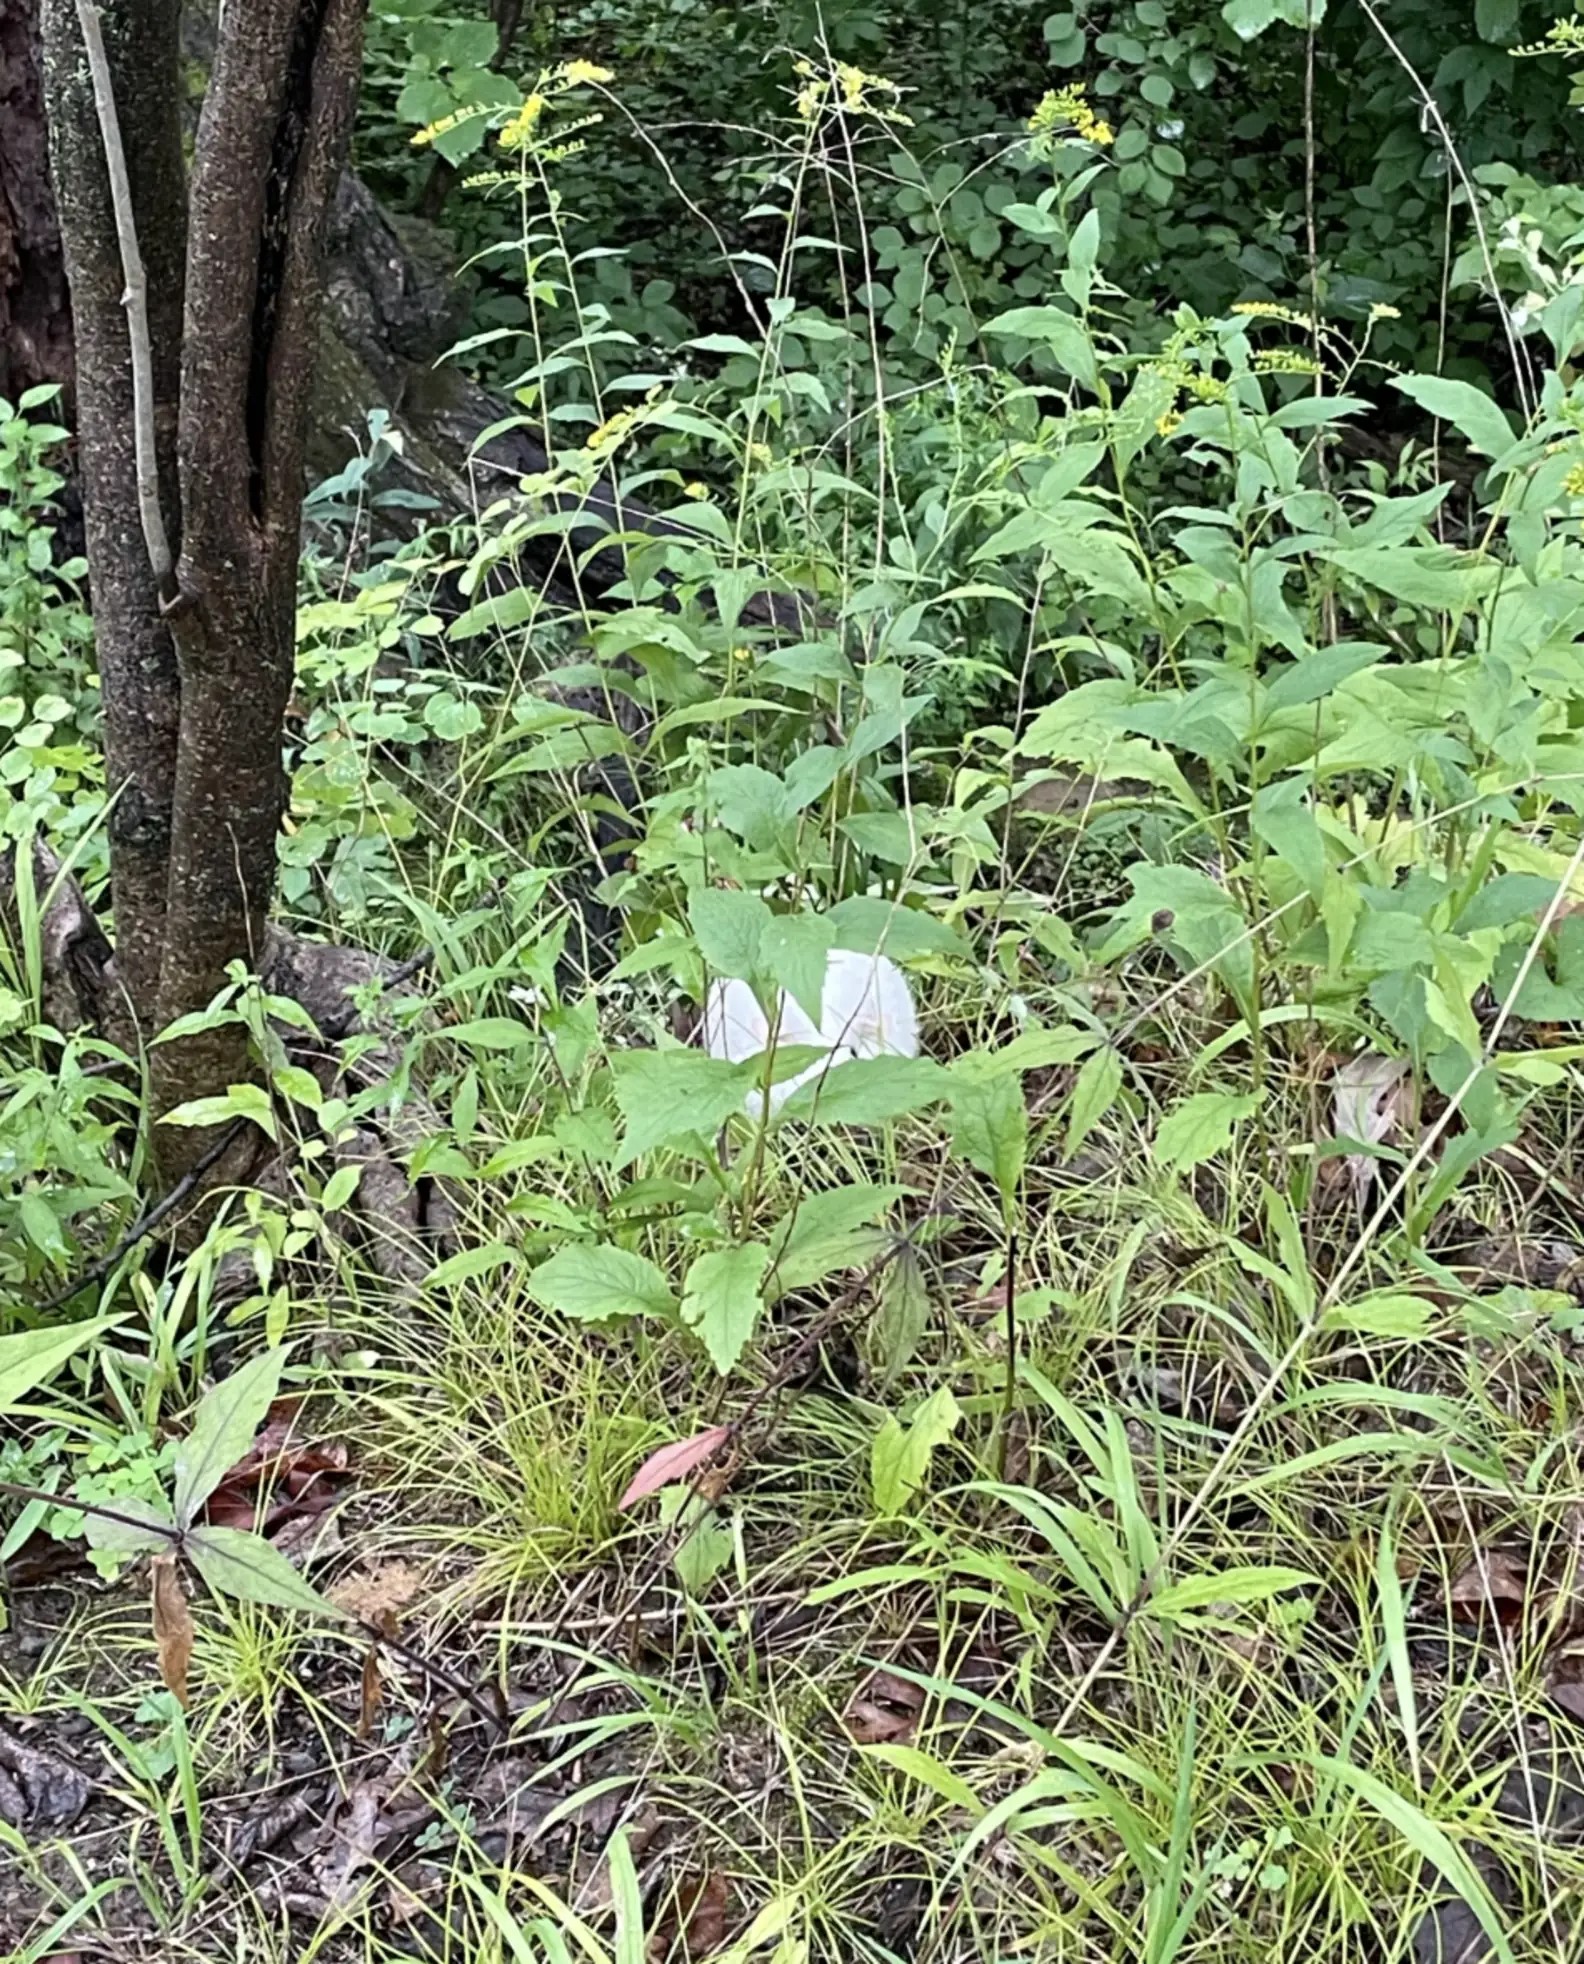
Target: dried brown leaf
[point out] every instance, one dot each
(372, 1594)
(883, 1711)
(173, 1626)
(1492, 1584)
(695, 1923)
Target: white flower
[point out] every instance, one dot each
(866, 1010)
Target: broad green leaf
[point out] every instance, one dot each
(929, 1772)
(666, 1095)
(1437, 577)
(882, 927)
(989, 1123)
(1472, 413)
(494, 1033)
(729, 926)
(1385, 1315)
(868, 1091)
(1313, 677)
(31, 1356)
(595, 1281)
(1094, 1093)
(249, 1569)
(826, 1231)
(1063, 333)
(721, 1299)
(794, 950)
(1282, 818)
(150, 1526)
(250, 1101)
(223, 1427)
(1200, 1127)
(899, 1461)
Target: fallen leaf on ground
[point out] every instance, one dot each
(694, 1923)
(673, 1462)
(1369, 1103)
(173, 1626)
(883, 1711)
(372, 1594)
(37, 1789)
(283, 1476)
(1493, 1583)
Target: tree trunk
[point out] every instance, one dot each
(137, 664)
(35, 317)
(196, 680)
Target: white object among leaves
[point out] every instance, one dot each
(1370, 1092)
(866, 1010)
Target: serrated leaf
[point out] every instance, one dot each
(668, 1095)
(868, 1091)
(30, 1356)
(826, 1231)
(1200, 1127)
(899, 1461)
(249, 1569)
(868, 926)
(595, 1281)
(989, 1124)
(795, 951)
(721, 1299)
(728, 926)
(223, 1427)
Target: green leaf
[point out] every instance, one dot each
(1200, 1127)
(899, 1461)
(728, 926)
(989, 1123)
(249, 1101)
(127, 1537)
(1472, 413)
(1094, 1093)
(594, 1281)
(721, 1300)
(868, 1091)
(1248, 18)
(929, 1772)
(795, 950)
(470, 1262)
(826, 1231)
(1315, 676)
(1283, 819)
(42, 1226)
(31, 1356)
(249, 1569)
(1063, 333)
(904, 1311)
(665, 1095)
(882, 927)
(1235, 1585)
(223, 1427)
(494, 1033)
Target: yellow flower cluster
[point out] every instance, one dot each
(1271, 310)
(1573, 483)
(857, 91)
(518, 133)
(1064, 114)
(1285, 361)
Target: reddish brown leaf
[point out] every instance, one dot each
(372, 1692)
(674, 1462)
(883, 1711)
(1492, 1584)
(283, 1476)
(695, 1923)
(173, 1626)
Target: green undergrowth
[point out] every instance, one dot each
(1150, 1529)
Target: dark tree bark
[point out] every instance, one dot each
(196, 680)
(137, 663)
(35, 316)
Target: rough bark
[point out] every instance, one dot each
(276, 120)
(137, 663)
(35, 315)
